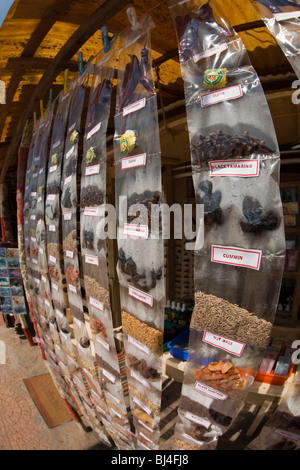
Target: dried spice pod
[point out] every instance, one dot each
(256, 219)
(141, 366)
(211, 201)
(91, 196)
(72, 275)
(221, 146)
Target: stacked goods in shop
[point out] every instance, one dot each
(282, 18)
(140, 247)
(238, 269)
(110, 402)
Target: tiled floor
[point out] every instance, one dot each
(21, 425)
(23, 428)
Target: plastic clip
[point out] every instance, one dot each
(106, 39)
(131, 14)
(50, 99)
(66, 84)
(42, 109)
(81, 63)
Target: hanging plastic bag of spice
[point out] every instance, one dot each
(27, 221)
(93, 243)
(69, 202)
(238, 270)
(282, 18)
(282, 430)
(33, 194)
(53, 220)
(139, 224)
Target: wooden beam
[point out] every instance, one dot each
(20, 64)
(36, 63)
(51, 15)
(99, 18)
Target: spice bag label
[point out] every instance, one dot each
(133, 162)
(141, 296)
(92, 170)
(210, 52)
(134, 107)
(289, 15)
(210, 392)
(139, 231)
(287, 434)
(244, 168)
(233, 347)
(226, 94)
(196, 419)
(142, 347)
(236, 256)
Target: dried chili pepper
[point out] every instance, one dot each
(144, 80)
(135, 73)
(131, 80)
(187, 30)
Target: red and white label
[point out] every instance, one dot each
(141, 296)
(68, 179)
(139, 231)
(52, 228)
(197, 419)
(210, 392)
(240, 168)
(90, 259)
(131, 108)
(210, 52)
(110, 377)
(287, 434)
(90, 211)
(140, 379)
(72, 288)
(142, 347)
(67, 215)
(236, 256)
(103, 343)
(132, 162)
(142, 405)
(52, 259)
(69, 153)
(226, 94)
(52, 168)
(96, 303)
(93, 131)
(69, 254)
(233, 347)
(289, 15)
(92, 170)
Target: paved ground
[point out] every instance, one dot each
(23, 428)
(21, 425)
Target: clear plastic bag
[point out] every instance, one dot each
(138, 193)
(282, 430)
(93, 241)
(238, 269)
(282, 18)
